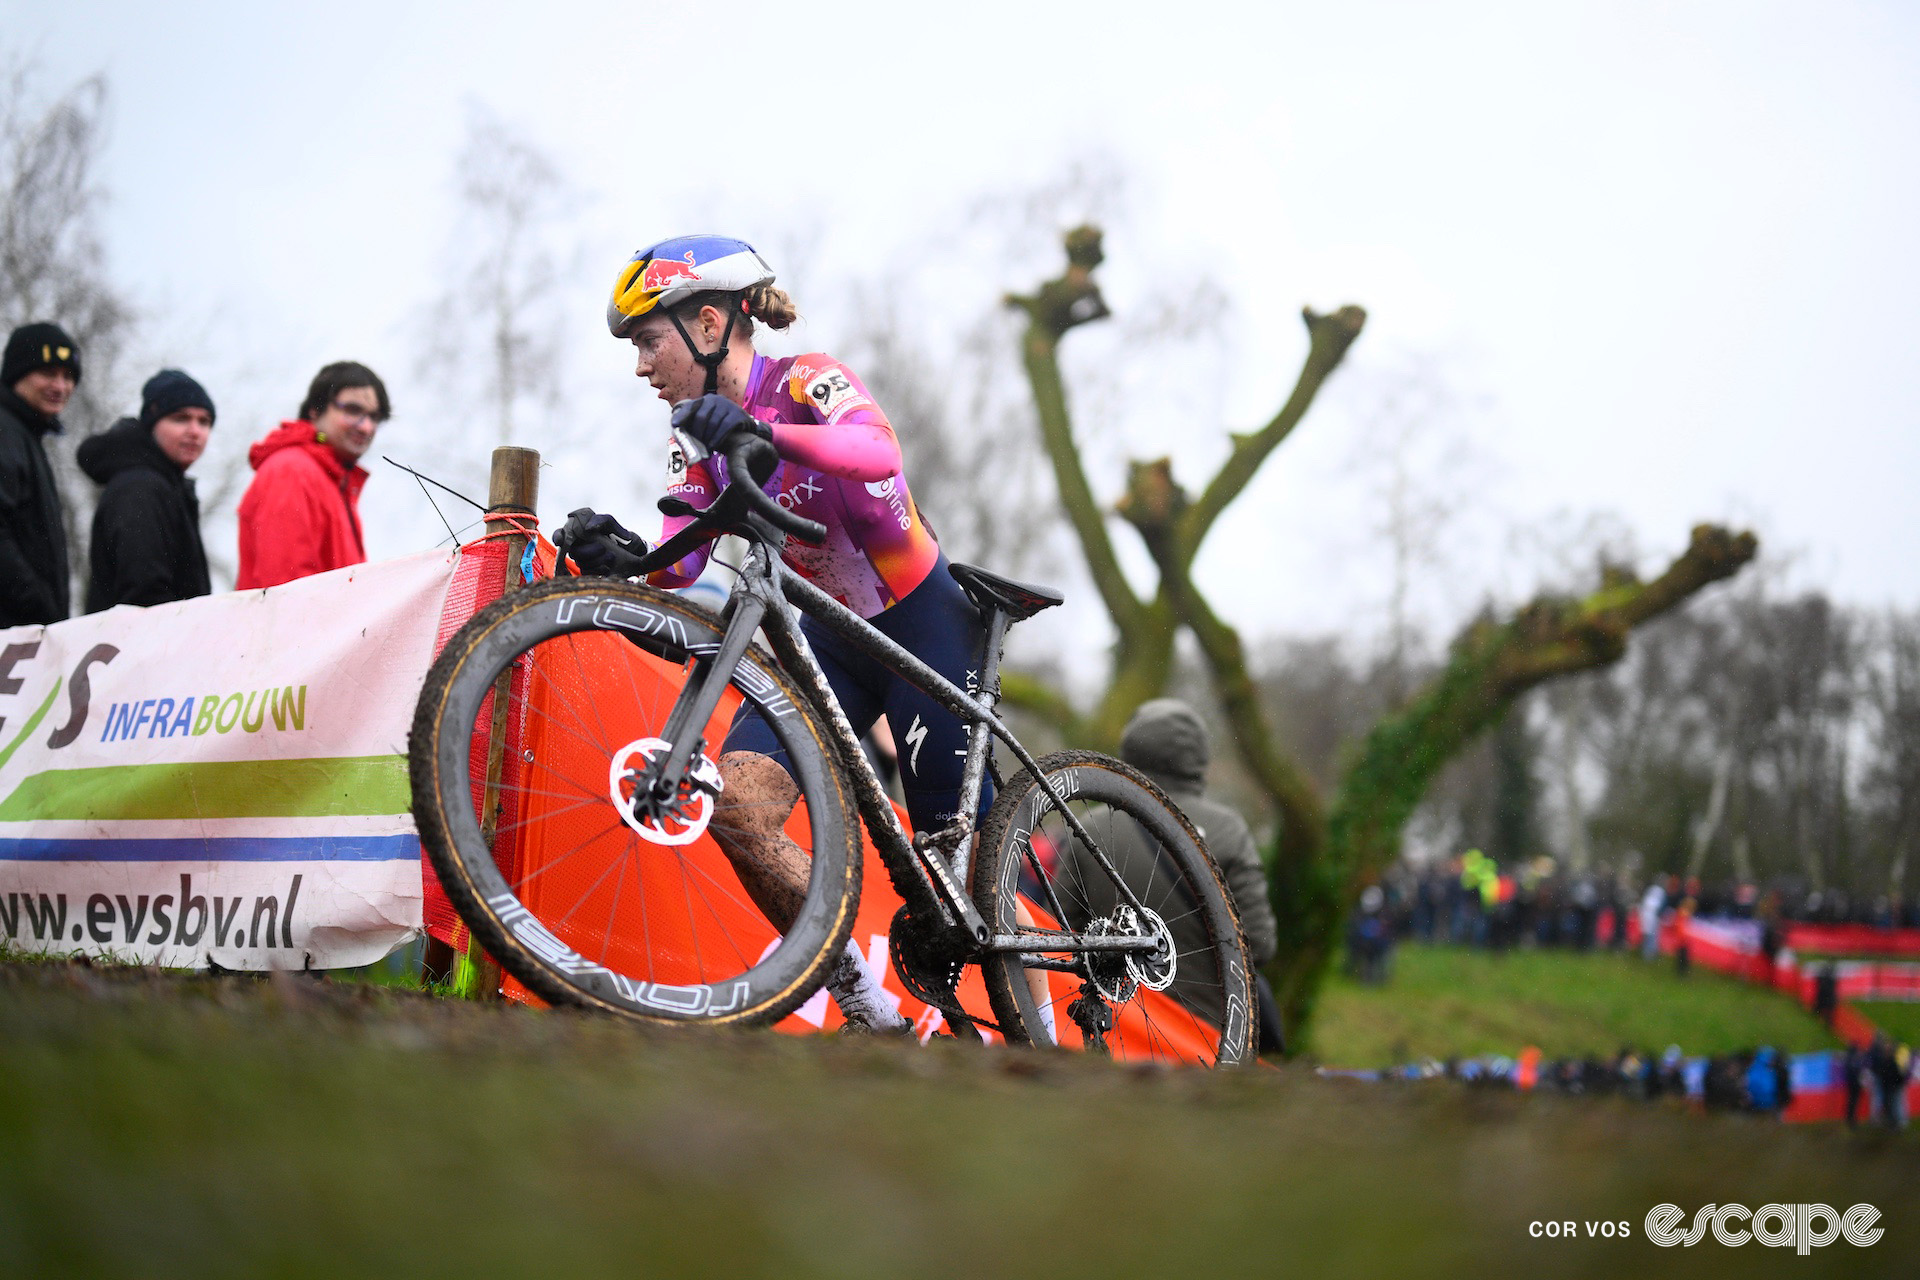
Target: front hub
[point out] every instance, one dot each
(677, 813)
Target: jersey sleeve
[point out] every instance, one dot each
(849, 436)
(695, 486)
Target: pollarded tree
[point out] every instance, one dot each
(1325, 844)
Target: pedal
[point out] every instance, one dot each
(947, 837)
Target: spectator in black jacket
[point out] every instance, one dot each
(38, 373)
(1168, 741)
(146, 531)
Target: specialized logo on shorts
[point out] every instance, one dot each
(917, 736)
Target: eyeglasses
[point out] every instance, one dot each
(354, 412)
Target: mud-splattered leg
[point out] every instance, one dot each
(749, 824)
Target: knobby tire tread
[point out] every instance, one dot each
(1004, 974)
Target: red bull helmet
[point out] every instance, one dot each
(672, 271)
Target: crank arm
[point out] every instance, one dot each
(958, 905)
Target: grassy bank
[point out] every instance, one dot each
(1898, 1018)
(161, 1126)
(1445, 1001)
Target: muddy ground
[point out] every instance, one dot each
(158, 1124)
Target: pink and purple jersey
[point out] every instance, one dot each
(839, 464)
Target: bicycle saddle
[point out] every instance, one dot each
(990, 591)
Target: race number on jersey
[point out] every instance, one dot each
(832, 390)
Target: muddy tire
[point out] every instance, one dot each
(700, 953)
(1201, 1013)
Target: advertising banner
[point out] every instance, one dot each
(223, 780)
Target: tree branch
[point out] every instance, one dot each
(1329, 337)
(1151, 506)
(1056, 307)
(1492, 664)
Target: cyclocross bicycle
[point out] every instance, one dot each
(582, 716)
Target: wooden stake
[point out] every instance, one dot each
(513, 493)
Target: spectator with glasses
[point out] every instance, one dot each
(301, 514)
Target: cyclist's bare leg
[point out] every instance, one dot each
(749, 824)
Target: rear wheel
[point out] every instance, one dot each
(1190, 1000)
(583, 894)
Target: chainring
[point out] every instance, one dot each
(928, 971)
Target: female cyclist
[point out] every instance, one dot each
(690, 306)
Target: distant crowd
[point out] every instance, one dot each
(1472, 901)
(1873, 1078)
(299, 516)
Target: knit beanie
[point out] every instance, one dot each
(36, 346)
(170, 391)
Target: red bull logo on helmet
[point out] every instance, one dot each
(663, 272)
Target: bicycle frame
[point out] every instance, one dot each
(928, 870)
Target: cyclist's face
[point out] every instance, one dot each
(665, 362)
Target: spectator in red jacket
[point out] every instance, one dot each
(301, 514)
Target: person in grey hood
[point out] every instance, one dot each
(1168, 741)
(146, 531)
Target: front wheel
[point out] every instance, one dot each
(584, 890)
(1189, 999)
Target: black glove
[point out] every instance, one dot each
(600, 545)
(711, 419)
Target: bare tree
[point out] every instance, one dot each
(52, 266)
(1326, 846)
(1893, 776)
(506, 279)
(967, 437)
(1418, 467)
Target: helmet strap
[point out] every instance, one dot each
(709, 360)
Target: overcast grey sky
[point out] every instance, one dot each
(1669, 252)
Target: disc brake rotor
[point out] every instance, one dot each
(682, 818)
(1153, 969)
